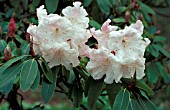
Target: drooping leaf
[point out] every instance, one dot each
(94, 91)
(47, 90)
(28, 74)
(145, 104)
(10, 62)
(144, 87)
(9, 74)
(77, 94)
(46, 70)
(36, 82)
(152, 73)
(122, 100)
(51, 5)
(165, 76)
(87, 85)
(112, 90)
(133, 105)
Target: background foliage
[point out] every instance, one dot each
(121, 12)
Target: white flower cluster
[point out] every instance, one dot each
(61, 40)
(119, 54)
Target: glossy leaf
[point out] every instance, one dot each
(9, 74)
(119, 20)
(112, 90)
(25, 49)
(36, 82)
(144, 87)
(51, 5)
(94, 91)
(95, 24)
(47, 90)
(122, 100)
(3, 45)
(7, 87)
(28, 74)
(9, 63)
(12, 45)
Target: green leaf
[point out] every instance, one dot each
(154, 51)
(77, 94)
(144, 87)
(71, 77)
(95, 24)
(159, 39)
(152, 73)
(25, 49)
(4, 26)
(51, 5)
(9, 13)
(87, 85)
(35, 3)
(87, 3)
(7, 87)
(165, 76)
(145, 104)
(103, 6)
(162, 50)
(146, 9)
(9, 74)
(122, 100)
(12, 45)
(152, 30)
(9, 63)
(47, 71)
(94, 91)
(133, 105)
(36, 82)
(119, 20)
(3, 45)
(47, 90)
(20, 40)
(28, 74)
(112, 90)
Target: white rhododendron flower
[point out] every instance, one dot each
(58, 38)
(119, 54)
(61, 40)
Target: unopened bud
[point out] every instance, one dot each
(12, 28)
(7, 53)
(127, 16)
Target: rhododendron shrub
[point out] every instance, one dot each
(59, 56)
